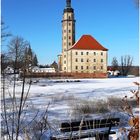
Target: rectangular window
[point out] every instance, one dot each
(69, 37)
(94, 67)
(94, 60)
(76, 60)
(69, 44)
(81, 67)
(87, 53)
(94, 53)
(64, 62)
(64, 56)
(101, 53)
(69, 24)
(82, 60)
(101, 67)
(64, 68)
(87, 67)
(76, 53)
(76, 67)
(87, 60)
(102, 60)
(81, 53)
(69, 31)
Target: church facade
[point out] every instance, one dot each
(86, 55)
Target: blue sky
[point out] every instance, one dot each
(114, 23)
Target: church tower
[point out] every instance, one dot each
(85, 58)
(68, 34)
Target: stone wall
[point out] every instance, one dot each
(66, 75)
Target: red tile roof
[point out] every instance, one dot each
(87, 42)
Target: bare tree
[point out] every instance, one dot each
(4, 33)
(115, 63)
(12, 118)
(14, 107)
(16, 52)
(126, 64)
(4, 61)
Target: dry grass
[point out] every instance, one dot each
(86, 107)
(62, 97)
(117, 103)
(82, 107)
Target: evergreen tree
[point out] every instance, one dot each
(54, 65)
(30, 50)
(32, 57)
(35, 60)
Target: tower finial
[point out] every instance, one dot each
(68, 3)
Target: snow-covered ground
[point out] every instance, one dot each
(59, 94)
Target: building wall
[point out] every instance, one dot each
(87, 61)
(43, 70)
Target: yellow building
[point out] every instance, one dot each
(84, 56)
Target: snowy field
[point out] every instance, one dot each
(60, 95)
